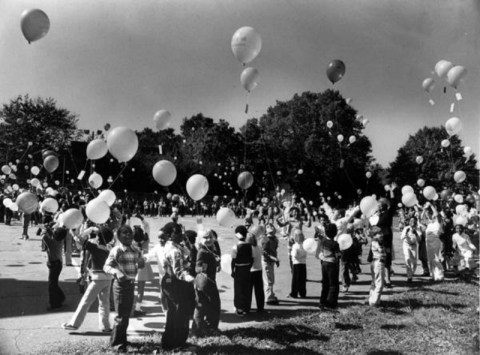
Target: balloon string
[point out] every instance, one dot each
(116, 178)
(246, 102)
(268, 163)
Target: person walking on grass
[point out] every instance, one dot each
(100, 282)
(411, 236)
(377, 266)
(256, 277)
(242, 260)
(299, 260)
(270, 259)
(122, 263)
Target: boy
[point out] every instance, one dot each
(242, 260)
(269, 248)
(123, 263)
(377, 266)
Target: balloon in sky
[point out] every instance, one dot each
(335, 70)
(445, 143)
(122, 143)
(348, 100)
(246, 44)
(249, 78)
(51, 163)
(429, 192)
(245, 180)
(34, 24)
(162, 119)
(428, 84)
(409, 199)
(164, 172)
(442, 67)
(340, 138)
(197, 187)
(368, 174)
(352, 139)
(407, 189)
(49, 205)
(97, 149)
(456, 76)
(420, 182)
(453, 126)
(95, 180)
(419, 159)
(310, 245)
(329, 124)
(97, 211)
(468, 151)
(6, 169)
(27, 202)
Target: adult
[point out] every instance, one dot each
(411, 236)
(433, 230)
(242, 260)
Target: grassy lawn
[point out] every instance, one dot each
(427, 319)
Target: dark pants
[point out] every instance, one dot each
(26, 222)
(256, 285)
(299, 280)
(180, 307)
(329, 295)
(55, 293)
(123, 295)
(207, 310)
(8, 216)
(242, 291)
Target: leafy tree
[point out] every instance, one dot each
(31, 125)
(439, 163)
(302, 150)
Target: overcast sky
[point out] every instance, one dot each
(119, 61)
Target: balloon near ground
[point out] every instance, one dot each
(51, 163)
(71, 218)
(245, 180)
(34, 24)
(368, 205)
(429, 192)
(345, 241)
(197, 187)
(310, 246)
(162, 119)
(164, 172)
(453, 126)
(409, 199)
(226, 217)
(49, 205)
(249, 78)
(95, 180)
(459, 176)
(335, 70)
(226, 263)
(108, 196)
(27, 202)
(407, 189)
(122, 143)
(246, 44)
(97, 211)
(97, 149)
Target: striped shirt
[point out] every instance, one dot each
(123, 259)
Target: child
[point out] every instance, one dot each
(242, 260)
(463, 246)
(299, 261)
(328, 251)
(123, 263)
(269, 248)
(256, 277)
(145, 274)
(377, 266)
(53, 241)
(411, 236)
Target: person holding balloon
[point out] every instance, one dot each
(411, 236)
(433, 230)
(299, 261)
(377, 266)
(256, 273)
(463, 246)
(242, 260)
(269, 246)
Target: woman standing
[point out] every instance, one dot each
(433, 231)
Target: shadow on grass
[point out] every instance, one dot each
(384, 352)
(347, 326)
(393, 326)
(266, 315)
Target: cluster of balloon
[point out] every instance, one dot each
(97, 149)
(310, 245)
(161, 119)
(164, 172)
(50, 160)
(245, 180)
(95, 180)
(409, 199)
(368, 206)
(459, 176)
(197, 187)
(453, 126)
(122, 144)
(453, 75)
(97, 211)
(246, 44)
(428, 85)
(335, 70)
(108, 196)
(27, 202)
(34, 24)
(225, 217)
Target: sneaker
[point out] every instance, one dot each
(106, 330)
(68, 326)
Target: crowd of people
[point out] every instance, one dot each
(116, 257)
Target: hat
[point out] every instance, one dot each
(242, 230)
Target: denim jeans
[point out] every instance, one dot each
(256, 286)
(55, 293)
(123, 295)
(100, 289)
(378, 273)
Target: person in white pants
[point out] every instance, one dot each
(411, 236)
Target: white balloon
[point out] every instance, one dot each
(226, 263)
(122, 143)
(72, 218)
(458, 198)
(164, 172)
(7, 202)
(409, 199)
(162, 119)
(468, 151)
(95, 180)
(456, 76)
(407, 189)
(445, 143)
(345, 241)
(97, 211)
(226, 217)
(419, 159)
(368, 205)
(420, 182)
(340, 138)
(352, 139)
(197, 187)
(249, 78)
(108, 196)
(429, 192)
(49, 205)
(246, 44)
(442, 67)
(428, 84)
(97, 149)
(453, 126)
(459, 176)
(310, 246)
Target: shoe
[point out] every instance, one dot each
(388, 285)
(272, 303)
(241, 313)
(107, 330)
(426, 274)
(68, 326)
(291, 296)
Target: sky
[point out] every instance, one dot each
(120, 61)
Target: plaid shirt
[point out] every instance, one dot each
(123, 259)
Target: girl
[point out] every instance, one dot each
(256, 283)
(299, 261)
(433, 242)
(463, 246)
(411, 236)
